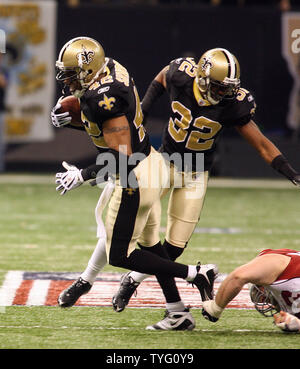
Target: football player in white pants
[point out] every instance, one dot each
(274, 276)
(97, 261)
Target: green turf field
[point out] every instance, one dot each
(43, 231)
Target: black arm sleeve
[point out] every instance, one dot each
(112, 163)
(154, 91)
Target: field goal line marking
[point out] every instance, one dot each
(42, 289)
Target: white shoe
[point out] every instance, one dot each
(176, 321)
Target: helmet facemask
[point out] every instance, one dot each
(264, 301)
(72, 80)
(222, 90)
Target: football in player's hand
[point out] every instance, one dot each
(71, 104)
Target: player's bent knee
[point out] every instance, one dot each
(117, 260)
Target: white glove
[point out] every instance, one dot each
(59, 120)
(68, 180)
(287, 322)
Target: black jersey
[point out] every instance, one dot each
(194, 123)
(112, 96)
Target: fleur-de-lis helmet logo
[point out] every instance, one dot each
(206, 65)
(85, 56)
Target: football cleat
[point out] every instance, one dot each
(175, 321)
(69, 296)
(204, 280)
(126, 290)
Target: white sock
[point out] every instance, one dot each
(138, 277)
(175, 306)
(192, 272)
(97, 262)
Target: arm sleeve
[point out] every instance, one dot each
(153, 93)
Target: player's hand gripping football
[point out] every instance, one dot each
(59, 119)
(287, 322)
(68, 180)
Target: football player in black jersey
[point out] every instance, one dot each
(205, 98)
(112, 117)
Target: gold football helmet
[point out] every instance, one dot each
(218, 75)
(79, 63)
(263, 300)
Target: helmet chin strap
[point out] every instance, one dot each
(78, 93)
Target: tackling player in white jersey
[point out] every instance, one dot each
(275, 289)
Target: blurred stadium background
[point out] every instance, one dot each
(43, 232)
(145, 35)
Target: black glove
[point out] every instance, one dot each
(281, 165)
(296, 180)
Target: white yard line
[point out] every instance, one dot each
(250, 183)
(273, 331)
(213, 182)
(12, 282)
(38, 293)
(27, 178)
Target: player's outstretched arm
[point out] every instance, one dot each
(262, 270)
(154, 91)
(268, 151)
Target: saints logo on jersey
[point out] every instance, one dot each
(107, 103)
(130, 191)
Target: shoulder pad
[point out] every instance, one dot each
(244, 94)
(181, 71)
(239, 110)
(245, 98)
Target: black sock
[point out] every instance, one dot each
(166, 283)
(157, 249)
(173, 251)
(146, 262)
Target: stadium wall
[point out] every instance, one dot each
(144, 39)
